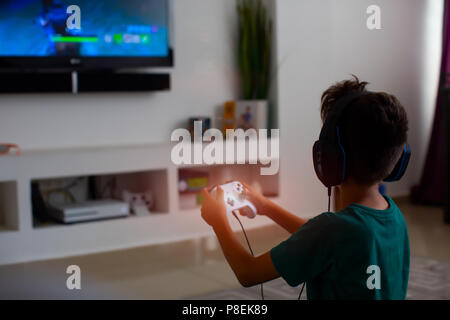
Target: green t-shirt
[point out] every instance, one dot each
(357, 253)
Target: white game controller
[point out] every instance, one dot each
(235, 199)
(140, 204)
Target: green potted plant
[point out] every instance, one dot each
(254, 61)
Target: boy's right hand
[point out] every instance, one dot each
(259, 201)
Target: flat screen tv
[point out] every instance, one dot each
(84, 34)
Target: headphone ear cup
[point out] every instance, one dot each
(329, 163)
(402, 164)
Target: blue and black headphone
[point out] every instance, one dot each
(328, 152)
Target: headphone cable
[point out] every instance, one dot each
(329, 198)
(249, 246)
(301, 291)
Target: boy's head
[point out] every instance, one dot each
(373, 130)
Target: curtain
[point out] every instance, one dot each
(431, 189)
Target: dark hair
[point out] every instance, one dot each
(374, 129)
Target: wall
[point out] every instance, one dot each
(318, 42)
(203, 78)
(321, 42)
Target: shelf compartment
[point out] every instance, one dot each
(9, 213)
(55, 191)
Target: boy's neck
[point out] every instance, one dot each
(369, 196)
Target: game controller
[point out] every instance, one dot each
(141, 204)
(235, 199)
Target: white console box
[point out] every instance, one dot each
(20, 241)
(90, 211)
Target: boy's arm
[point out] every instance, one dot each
(248, 269)
(287, 220)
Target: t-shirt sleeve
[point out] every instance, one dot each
(307, 253)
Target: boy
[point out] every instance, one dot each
(362, 250)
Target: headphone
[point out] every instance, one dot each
(328, 152)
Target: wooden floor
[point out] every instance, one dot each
(184, 269)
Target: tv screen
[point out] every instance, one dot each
(84, 32)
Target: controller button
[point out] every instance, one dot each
(230, 202)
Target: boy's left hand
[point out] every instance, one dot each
(213, 209)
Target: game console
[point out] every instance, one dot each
(89, 210)
(235, 199)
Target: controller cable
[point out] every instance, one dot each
(251, 251)
(249, 246)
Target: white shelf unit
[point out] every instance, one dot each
(22, 241)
